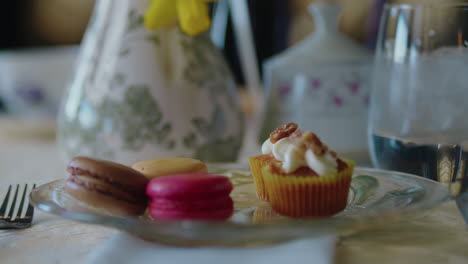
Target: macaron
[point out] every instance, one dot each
(112, 187)
(193, 196)
(158, 167)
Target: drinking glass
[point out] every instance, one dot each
(420, 90)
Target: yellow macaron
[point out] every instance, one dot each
(166, 166)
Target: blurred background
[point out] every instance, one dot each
(39, 40)
(277, 23)
(49, 24)
(32, 23)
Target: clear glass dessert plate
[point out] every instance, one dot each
(376, 196)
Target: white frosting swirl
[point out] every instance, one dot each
(280, 148)
(293, 157)
(321, 165)
(267, 147)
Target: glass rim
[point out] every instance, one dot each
(425, 5)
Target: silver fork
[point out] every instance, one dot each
(8, 220)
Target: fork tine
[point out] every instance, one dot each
(5, 203)
(13, 204)
(20, 209)
(30, 212)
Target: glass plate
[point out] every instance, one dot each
(376, 196)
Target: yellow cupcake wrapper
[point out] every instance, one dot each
(256, 166)
(305, 196)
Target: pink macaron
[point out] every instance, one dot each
(192, 196)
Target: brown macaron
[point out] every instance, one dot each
(110, 186)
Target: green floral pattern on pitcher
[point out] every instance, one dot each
(215, 147)
(128, 118)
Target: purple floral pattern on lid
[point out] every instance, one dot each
(354, 87)
(338, 101)
(315, 84)
(329, 91)
(284, 90)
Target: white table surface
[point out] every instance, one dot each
(438, 236)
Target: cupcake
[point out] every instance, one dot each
(258, 162)
(300, 176)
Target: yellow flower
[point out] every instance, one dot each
(193, 15)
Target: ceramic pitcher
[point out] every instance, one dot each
(141, 94)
